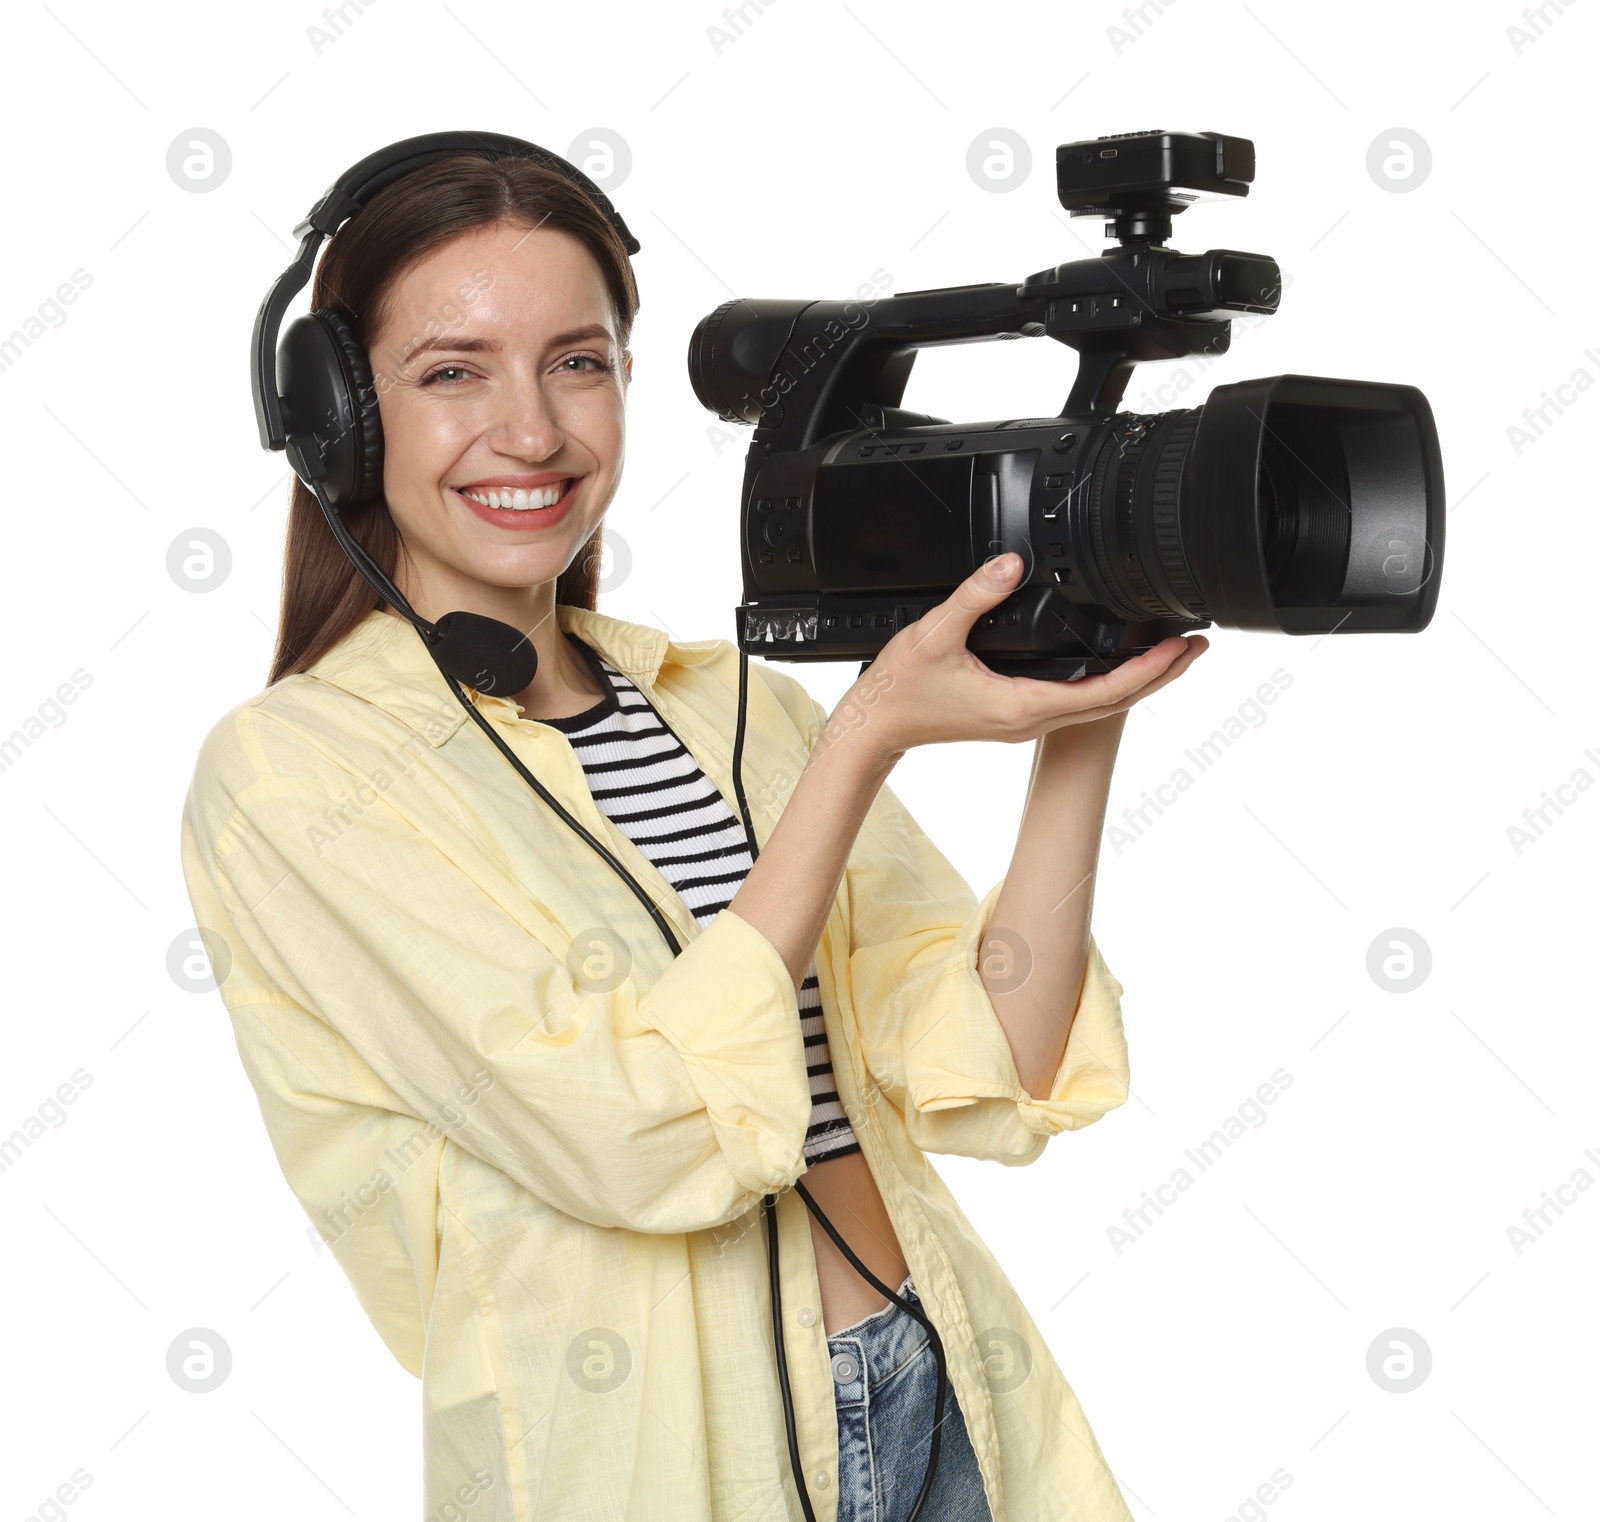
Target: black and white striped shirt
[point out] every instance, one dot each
(647, 783)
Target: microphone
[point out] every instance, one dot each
(483, 652)
(479, 651)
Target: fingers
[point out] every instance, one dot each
(1122, 705)
(950, 622)
(1111, 691)
(1186, 658)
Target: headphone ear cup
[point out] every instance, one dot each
(330, 405)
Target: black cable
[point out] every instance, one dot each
(392, 594)
(912, 1310)
(768, 1204)
(374, 574)
(738, 756)
(651, 907)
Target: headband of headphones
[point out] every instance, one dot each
(342, 200)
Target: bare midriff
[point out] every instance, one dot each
(847, 1194)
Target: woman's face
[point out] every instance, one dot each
(500, 389)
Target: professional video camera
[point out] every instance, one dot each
(1298, 503)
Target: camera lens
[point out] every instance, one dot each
(1305, 534)
(1279, 508)
(1295, 503)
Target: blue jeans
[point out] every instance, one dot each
(885, 1379)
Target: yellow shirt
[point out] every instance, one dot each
(537, 1143)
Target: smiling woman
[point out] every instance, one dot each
(518, 500)
(503, 267)
(568, 1107)
(536, 378)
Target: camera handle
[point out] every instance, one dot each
(823, 363)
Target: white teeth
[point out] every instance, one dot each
(519, 499)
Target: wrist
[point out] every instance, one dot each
(862, 727)
(1096, 736)
(852, 760)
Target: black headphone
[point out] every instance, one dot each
(315, 398)
(319, 405)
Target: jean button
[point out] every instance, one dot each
(844, 1369)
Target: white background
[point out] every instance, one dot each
(1230, 1339)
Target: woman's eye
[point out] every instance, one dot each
(451, 376)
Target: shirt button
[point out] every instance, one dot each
(806, 1316)
(844, 1369)
(820, 1479)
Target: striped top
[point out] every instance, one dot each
(648, 784)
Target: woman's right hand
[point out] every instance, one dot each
(925, 687)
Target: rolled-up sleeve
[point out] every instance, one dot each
(930, 1035)
(931, 1040)
(668, 1107)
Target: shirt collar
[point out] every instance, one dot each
(383, 660)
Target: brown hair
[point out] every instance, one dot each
(323, 596)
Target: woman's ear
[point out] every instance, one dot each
(627, 365)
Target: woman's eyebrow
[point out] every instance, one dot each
(450, 346)
(479, 345)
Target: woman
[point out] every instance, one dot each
(535, 1141)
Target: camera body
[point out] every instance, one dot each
(1295, 503)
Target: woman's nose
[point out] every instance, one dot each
(524, 424)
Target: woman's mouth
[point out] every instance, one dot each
(520, 507)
